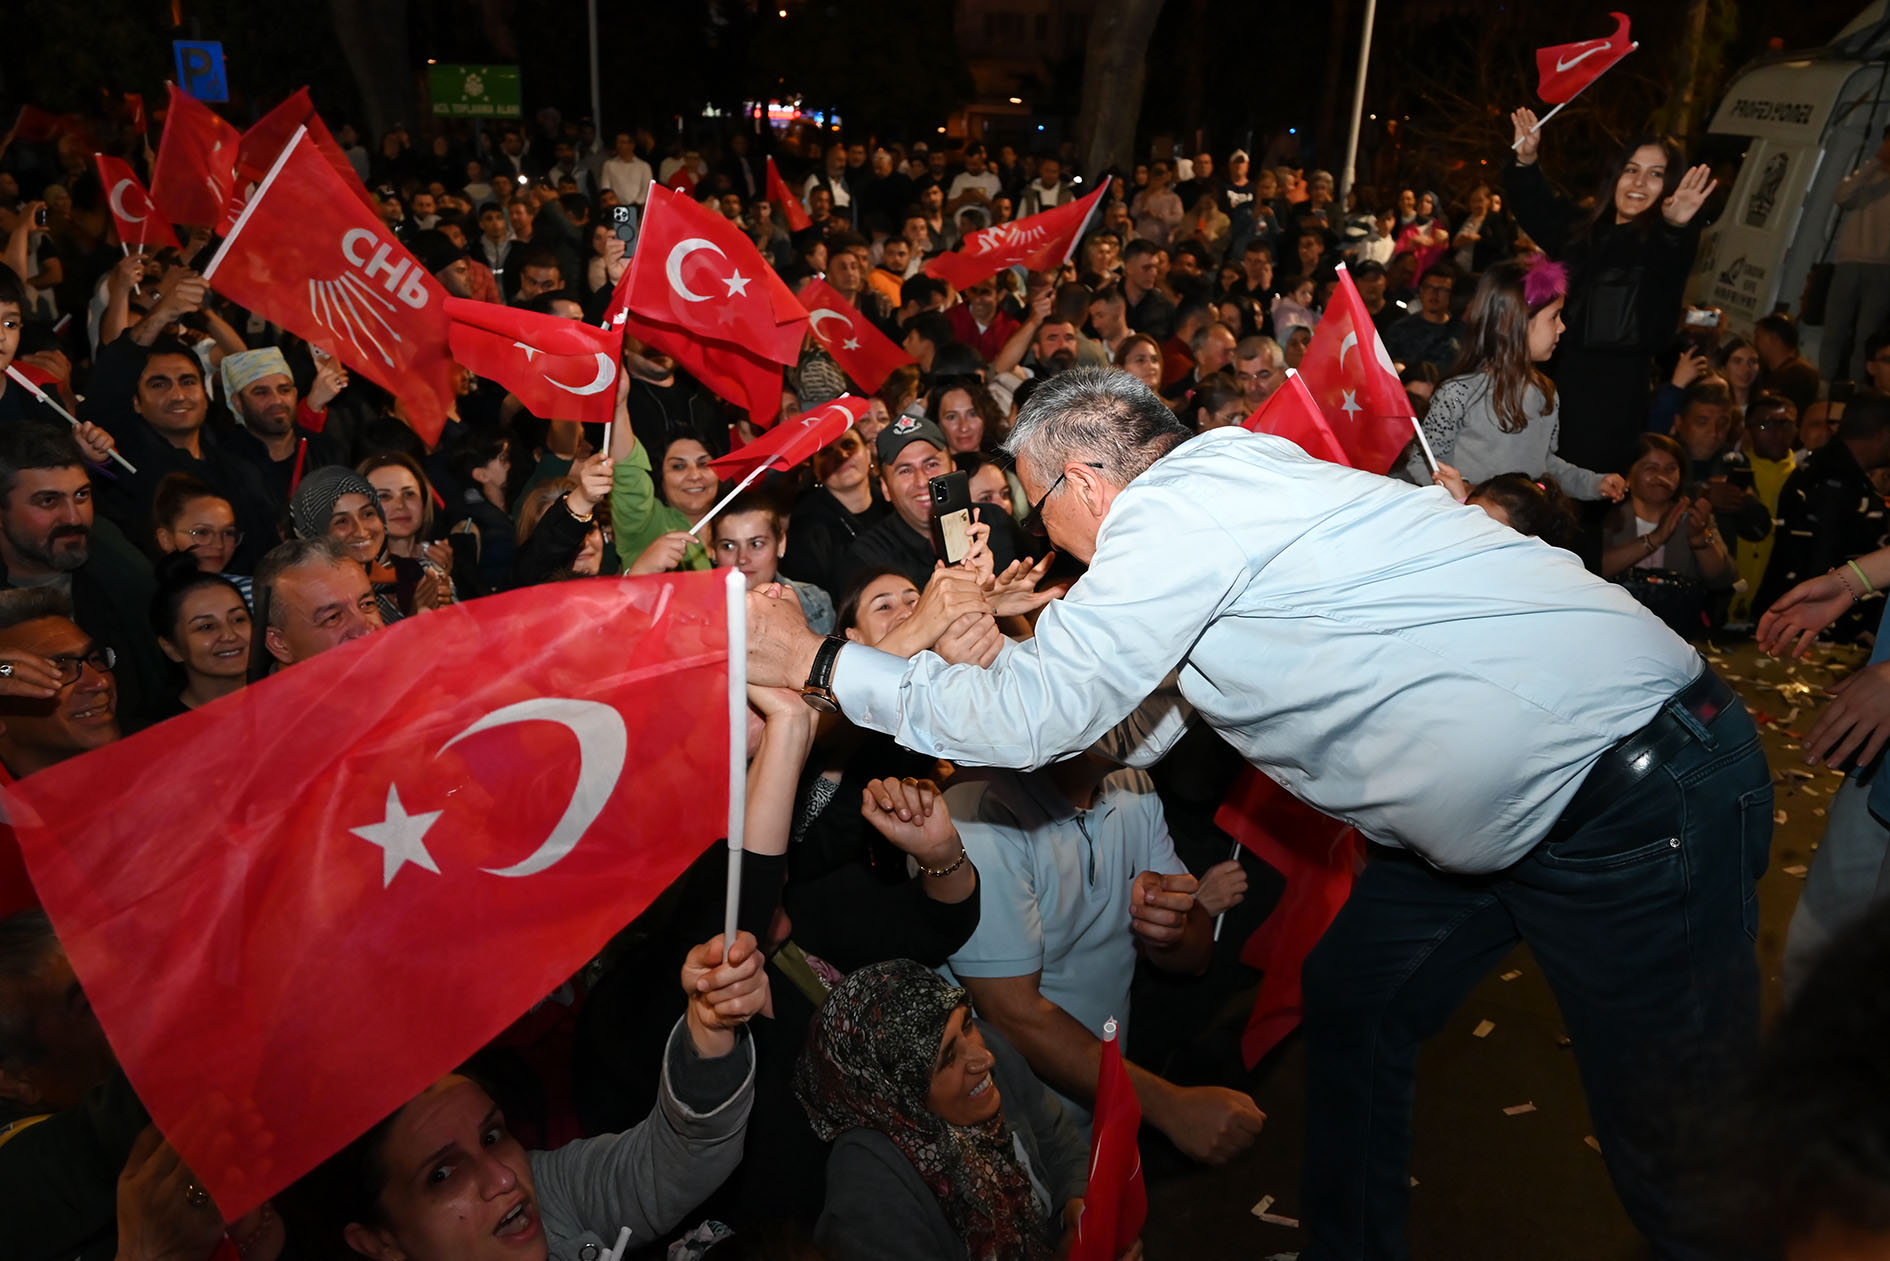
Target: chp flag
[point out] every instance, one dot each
(196, 163)
(864, 353)
(256, 153)
(138, 222)
(698, 291)
(560, 369)
(311, 258)
(437, 849)
(1039, 242)
(1352, 378)
(791, 209)
(1566, 69)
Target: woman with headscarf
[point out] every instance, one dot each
(945, 1146)
(338, 503)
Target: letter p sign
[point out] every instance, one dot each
(200, 69)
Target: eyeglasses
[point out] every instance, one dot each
(70, 667)
(201, 534)
(1033, 520)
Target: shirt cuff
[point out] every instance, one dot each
(867, 684)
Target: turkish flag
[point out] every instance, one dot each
(794, 439)
(196, 162)
(270, 134)
(750, 382)
(791, 208)
(1320, 858)
(1355, 383)
(695, 271)
(37, 126)
(1116, 1204)
(1039, 242)
(139, 224)
(317, 262)
(561, 369)
(1290, 412)
(340, 882)
(864, 353)
(1568, 68)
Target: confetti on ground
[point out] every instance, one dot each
(1593, 1142)
(1510, 975)
(1483, 1030)
(1819, 812)
(1796, 869)
(1799, 773)
(1564, 1041)
(1276, 1219)
(1414, 1182)
(1519, 1109)
(1779, 817)
(1266, 1202)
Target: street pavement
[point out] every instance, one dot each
(1488, 1184)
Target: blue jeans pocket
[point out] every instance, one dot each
(1755, 852)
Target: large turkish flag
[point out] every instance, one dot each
(138, 222)
(561, 369)
(1039, 242)
(864, 353)
(196, 163)
(299, 905)
(316, 261)
(1355, 383)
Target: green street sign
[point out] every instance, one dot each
(474, 91)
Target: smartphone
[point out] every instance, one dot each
(39, 217)
(623, 222)
(951, 516)
(1702, 317)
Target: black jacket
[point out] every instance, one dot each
(1828, 513)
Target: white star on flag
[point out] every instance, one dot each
(400, 835)
(529, 350)
(851, 343)
(1350, 403)
(737, 283)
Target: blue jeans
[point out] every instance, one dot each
(1643, 916)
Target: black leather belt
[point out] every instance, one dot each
(1637, 756)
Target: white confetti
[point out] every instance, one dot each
(1483, 1030)
(1510, 975)
(1779, 817)
(1796, 869)
(1593, 1142)
(1519, 1109)
(1266, 1202)
(1276, 1219)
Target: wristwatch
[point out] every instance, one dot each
(818, 691)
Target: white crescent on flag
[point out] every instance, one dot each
(118, 203)
(823, 313)
(672, 268)
(1351, 340)
(606, 377)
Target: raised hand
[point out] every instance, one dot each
(1015, 590)
(911, 814)
(664, 553)
(1790, 626)
(1159, 906)
(593, 485)
(1695, 187)
(724, 994)
(1528, 141)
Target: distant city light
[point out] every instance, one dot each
(1017, 100)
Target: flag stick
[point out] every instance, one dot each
(1222, 917)
(15, 374)
(740, 486)
(623, 1234)
(255, 200)
(737, 589)
(1425, 444)
(1517, 143)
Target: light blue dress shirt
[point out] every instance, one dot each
(1396, 659)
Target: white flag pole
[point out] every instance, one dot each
(255, 200)
(1425, 444)
(14, 374)
(736, 587)
(740, 486)
(1222, 917)
(1517, 143)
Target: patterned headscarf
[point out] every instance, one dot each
(868, 1065)
(320, 491)
(246, 367)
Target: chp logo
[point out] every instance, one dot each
(355, 304)
(1009, 238)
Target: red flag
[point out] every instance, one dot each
(1355, 383)
(696, 271)
(264, 142)
(795, 439)
(374, 901)
(37, 126)
(864, 353)
(1290, 412)
(1320, 857)
(139, 224)
(196, 161)
(309, 257)
(791, 208)
(1040, 242)
(1568, 68)
(561, 369)
(730, 372)
(1116, 1204)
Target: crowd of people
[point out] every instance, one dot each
(899, 1054)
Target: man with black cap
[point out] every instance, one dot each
(912, 451)
(1370, 279)
(445, 260)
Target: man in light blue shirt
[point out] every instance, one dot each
(1066, 858)
(1535, 756)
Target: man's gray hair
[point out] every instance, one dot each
(1100, 416)
(283, 557)
(1259, 344)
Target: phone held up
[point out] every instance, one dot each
(951, 516)
(623, 222)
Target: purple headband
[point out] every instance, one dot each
(1543, 282)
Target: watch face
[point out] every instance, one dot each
(820, 702)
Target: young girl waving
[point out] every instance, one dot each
(1497, 411)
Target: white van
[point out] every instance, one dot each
(1795, 124)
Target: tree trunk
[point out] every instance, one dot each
(1692, 56)
(1114, 71)
(373, 37)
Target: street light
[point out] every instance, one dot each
(1017, 100)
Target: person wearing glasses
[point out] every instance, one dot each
(1532, 754)
(58, 697)
(1431, 334)
(188, 516)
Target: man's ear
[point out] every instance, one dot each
(371, 1243)
(278, 647)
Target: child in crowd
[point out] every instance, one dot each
(750, 536)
